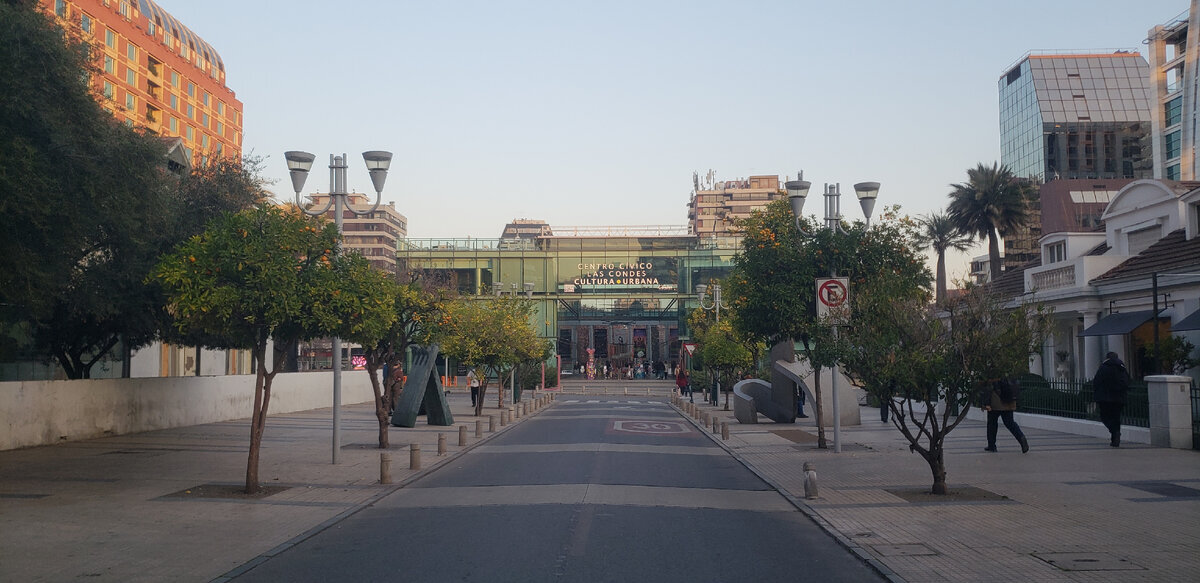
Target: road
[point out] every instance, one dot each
(590, 490)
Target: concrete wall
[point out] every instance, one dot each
(45, 412)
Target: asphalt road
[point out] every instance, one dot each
(590, 490)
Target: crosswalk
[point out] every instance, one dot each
(611, 402)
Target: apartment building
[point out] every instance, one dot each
(715, 206)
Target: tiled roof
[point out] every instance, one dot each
(1171, 253)
(1011, 282)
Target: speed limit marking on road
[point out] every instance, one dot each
(831, 293)
(646, 426)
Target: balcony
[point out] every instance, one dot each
(1070, 275)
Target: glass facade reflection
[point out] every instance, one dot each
(625, 296)
(1076, 116)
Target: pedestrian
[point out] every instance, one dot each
(473, 382)
(999, 399)
(800, 398)
(681, 381)
(885, 400)
(1109, 387)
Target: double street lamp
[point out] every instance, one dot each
(867, 192)
(299, 163)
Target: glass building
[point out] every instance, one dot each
(1076, 116)
(624, 294)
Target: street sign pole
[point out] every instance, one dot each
(832, 295)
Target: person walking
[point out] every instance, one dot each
(681, 381)
(1110, 386)
(1000, 401)
(473, 381)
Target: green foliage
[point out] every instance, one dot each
(1174, 354)
(939, 233)
(489, 332)
(992, 202)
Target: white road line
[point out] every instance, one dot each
(604, 494)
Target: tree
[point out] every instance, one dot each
(413, 311)
(722, 351)
(991, 203)
(901, 346)
(264, 275)
(772, 284)
(491, 335)
(939, 233)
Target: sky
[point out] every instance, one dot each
(587, 113)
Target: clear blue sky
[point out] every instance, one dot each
(597, 113)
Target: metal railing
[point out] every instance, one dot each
(1195, 416)
(1073, 399)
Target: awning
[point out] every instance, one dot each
(1122, 323)
(1191, 322)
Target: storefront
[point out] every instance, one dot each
(625, 295)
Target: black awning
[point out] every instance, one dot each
(1191, 322)
(1122, 323)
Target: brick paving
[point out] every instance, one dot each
(1072, 509)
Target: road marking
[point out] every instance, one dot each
(602, 447)
(602, 494)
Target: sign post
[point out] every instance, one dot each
(833, 295)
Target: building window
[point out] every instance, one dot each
(124, 9)
(1056, 252)
(204, 120)
(131, 52)
(60, 8)
(173, 100)
(173, 123)
(108, 90)
(1173, 172)
(191, 135)
(175, 79)
(110, 65)
(220, 108)
(220, 129)
(131, 77)
(191, 112)
(130, 102)
(85, 22)
(204, 141)
(191, 90)
(1171, 145)
(150, 28)
(204, 98)
(110, 39)
(1173, 111)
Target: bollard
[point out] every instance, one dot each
(478, 428)
(725, 432)
(414, 456)
(503, 417)
(491, 423)
(704, 417)
(462, 435)
(716, 424)
(810, 480)
(385, 468)
(513, 414)
(441, 444)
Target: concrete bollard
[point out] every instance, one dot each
(385, 468)
(462, 435)
(441, 444)
(478, 428)
(491, 423)
(725, 432)
(414, 456)
(513, 414)
(503, 417)
(716, 424)
(704, 417)
(810, 481)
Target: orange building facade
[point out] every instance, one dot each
(153, 72)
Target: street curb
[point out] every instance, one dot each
(387, 490)
(800, 505)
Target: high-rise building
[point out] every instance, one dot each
(373, 235)
(1068, 115)
(715, 206)
(1173, 89)
(525, 229)
(154, 72)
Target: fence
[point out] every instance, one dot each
(1073, 399)
(1195, 416)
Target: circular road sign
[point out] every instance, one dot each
(832, 293)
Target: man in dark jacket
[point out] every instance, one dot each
(1109, 387)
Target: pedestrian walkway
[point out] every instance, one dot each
(127, 508)
(1072, 509)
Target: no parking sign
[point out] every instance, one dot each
(833, 294)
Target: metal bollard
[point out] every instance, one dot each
(478, 428)
(414, 456)
(810, 480)
(385, 468)
(725, 432)
(462, 435)
(441, 444)
(491, 423)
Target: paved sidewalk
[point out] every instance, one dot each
(1072, 509)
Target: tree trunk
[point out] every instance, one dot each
(994, 255)
(483, 383)
(941, 277)
(937, 465)
(821, 442)
(262, 396)
(381, 400)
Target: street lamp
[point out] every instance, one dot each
(716, 306)
(299, 163)
(867, 192)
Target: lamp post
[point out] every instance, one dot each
(716, 306)
(867, 192)
(299, 163)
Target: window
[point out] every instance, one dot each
(204, 98)
(108, 90)
(85, 22)
(173, 100)
(191, 135)
(174, 78)
(131, 52)
(150, 28)
(124, 9)
(110, 39)
(60, 8)
(191, 90)
(130, 102)
(220, 108)
(1171, 145)
(191, 112)
(110, 65)
(204, 141)
(1173, 172)
(1056, 252)
(220, 129)
(204, 120)
(1138, 241)
(173, 123)
(131, 77)
(1173, 111)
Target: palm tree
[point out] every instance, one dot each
(939, 232)
(992, 202)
